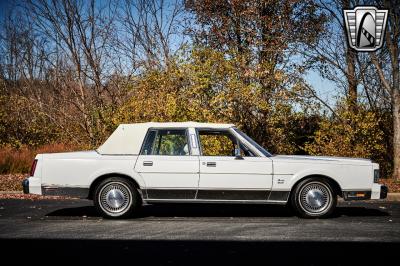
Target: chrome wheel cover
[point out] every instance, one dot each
(115, 198)
(315, 198)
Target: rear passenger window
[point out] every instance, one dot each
(166, 142)
(148, 145)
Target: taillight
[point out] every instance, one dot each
(376, 175)
(33, 168)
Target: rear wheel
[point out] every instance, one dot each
(314, 198)
(116, 198)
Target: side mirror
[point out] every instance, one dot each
(238, 156)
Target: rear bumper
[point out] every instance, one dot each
(25, 186)
(32, 185)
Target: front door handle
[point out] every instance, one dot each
(147, 163)
(211, 164)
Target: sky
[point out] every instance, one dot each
(326, 89)
(4, 7)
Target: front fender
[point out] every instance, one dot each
(312, 172)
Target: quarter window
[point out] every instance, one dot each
(166, 142)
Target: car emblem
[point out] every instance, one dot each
(365, 27)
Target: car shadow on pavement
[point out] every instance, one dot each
(358, 211)
(217, 210)
(88, 211)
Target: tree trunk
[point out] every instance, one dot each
(396, 134)
(351, 78)
(393, 41)
(394, 51)
(351, 69)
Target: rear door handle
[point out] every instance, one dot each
(211, 164)
(147, 163)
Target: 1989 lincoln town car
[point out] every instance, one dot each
(199, 162)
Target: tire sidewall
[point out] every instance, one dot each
(297, 205)
(134, 201)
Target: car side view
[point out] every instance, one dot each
(192, 162)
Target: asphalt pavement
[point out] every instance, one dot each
(198, 234)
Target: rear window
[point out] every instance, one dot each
(172, 142)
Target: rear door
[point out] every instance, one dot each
(167, 166)
(224, 176)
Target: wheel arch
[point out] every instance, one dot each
(100, 178)
(335, 185)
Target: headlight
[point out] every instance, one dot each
(376, 175)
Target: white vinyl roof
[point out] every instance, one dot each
(127, 139)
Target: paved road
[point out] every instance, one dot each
(164, 234)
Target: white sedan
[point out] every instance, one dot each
(196, 163)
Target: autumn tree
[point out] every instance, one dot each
(387, 66)
(203, 85)
(261, 37)
(150, 32)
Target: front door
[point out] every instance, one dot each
(167, 166)
(226, 175)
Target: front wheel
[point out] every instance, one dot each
(116, 198)
(314, 198)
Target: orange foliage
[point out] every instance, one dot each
(14, 160)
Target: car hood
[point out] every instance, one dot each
(322, 159)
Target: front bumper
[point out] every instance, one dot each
(384, 192)
(377, 192)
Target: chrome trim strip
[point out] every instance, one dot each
(217, 194)
(215, 201)
(212, 188)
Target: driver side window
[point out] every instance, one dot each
(220, 143)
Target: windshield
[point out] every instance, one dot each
(252, 142)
